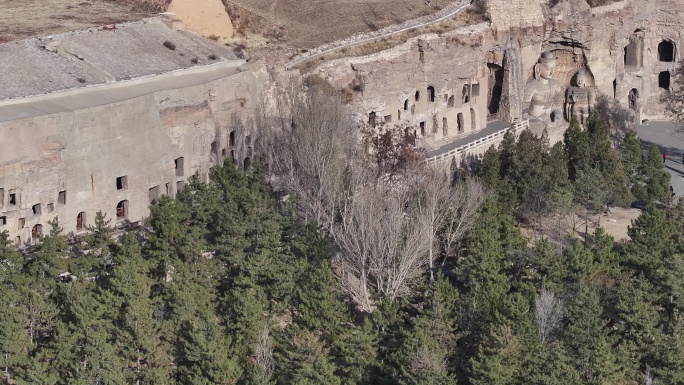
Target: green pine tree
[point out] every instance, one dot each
(656, 178)
(500, 359)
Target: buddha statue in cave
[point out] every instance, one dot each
(580, 97)
(542, 91)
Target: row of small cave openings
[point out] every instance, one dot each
(460, 124)
(468, 91)
(121, 183)
(246, 162)
(634, 51)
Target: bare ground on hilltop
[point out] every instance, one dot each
(310, 23)
(572, 226)
(21, 19)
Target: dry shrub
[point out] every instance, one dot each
(600, 3)
(320, 83)
(148, 5)
(170, 45)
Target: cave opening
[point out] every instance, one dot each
(496, 75)
(664, 80)
(666, 51)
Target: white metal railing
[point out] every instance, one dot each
(516, 126)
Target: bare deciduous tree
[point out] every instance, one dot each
(464, 202)
(548, 313)
(386, 223)
(649, 379)
(264, 351)
(621, 119)
(383, 243)
(432, 195)
(311, 140)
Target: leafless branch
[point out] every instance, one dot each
(548, 313)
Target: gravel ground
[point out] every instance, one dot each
(21, 19)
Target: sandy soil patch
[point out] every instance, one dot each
(205, 17)
(615, 223)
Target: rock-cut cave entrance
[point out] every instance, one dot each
(496, 75)
(633, 99)
(664, 80)
(666, 51)
(634, 51)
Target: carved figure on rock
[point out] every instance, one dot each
(580, 97)
(542, 91)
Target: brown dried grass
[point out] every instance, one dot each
(148, 5)
(30, 18)
(310, 23)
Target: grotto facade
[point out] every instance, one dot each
(532, 60)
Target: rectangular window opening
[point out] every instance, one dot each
(179, 186)
(475, 90)
(36, 209)
(169, 189)
(22, 223)
(61, 197)
(13, 199)
(179, 166)
(80, 221)
(50, 207)
(3, 221)
(154, 194)
(122, 182)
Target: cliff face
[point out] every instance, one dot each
(628, 49)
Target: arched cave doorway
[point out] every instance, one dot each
(664, 80)
(431, 94)
(634, 51)
(445, 127)
(633, 99)
(122, 210)
(371, 119)
(37, 231)
(496, 75)
(460, 123)
(666, 51)
(466, 93)
(80, 221)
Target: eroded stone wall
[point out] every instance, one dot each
(131, 151)
(616, 45)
